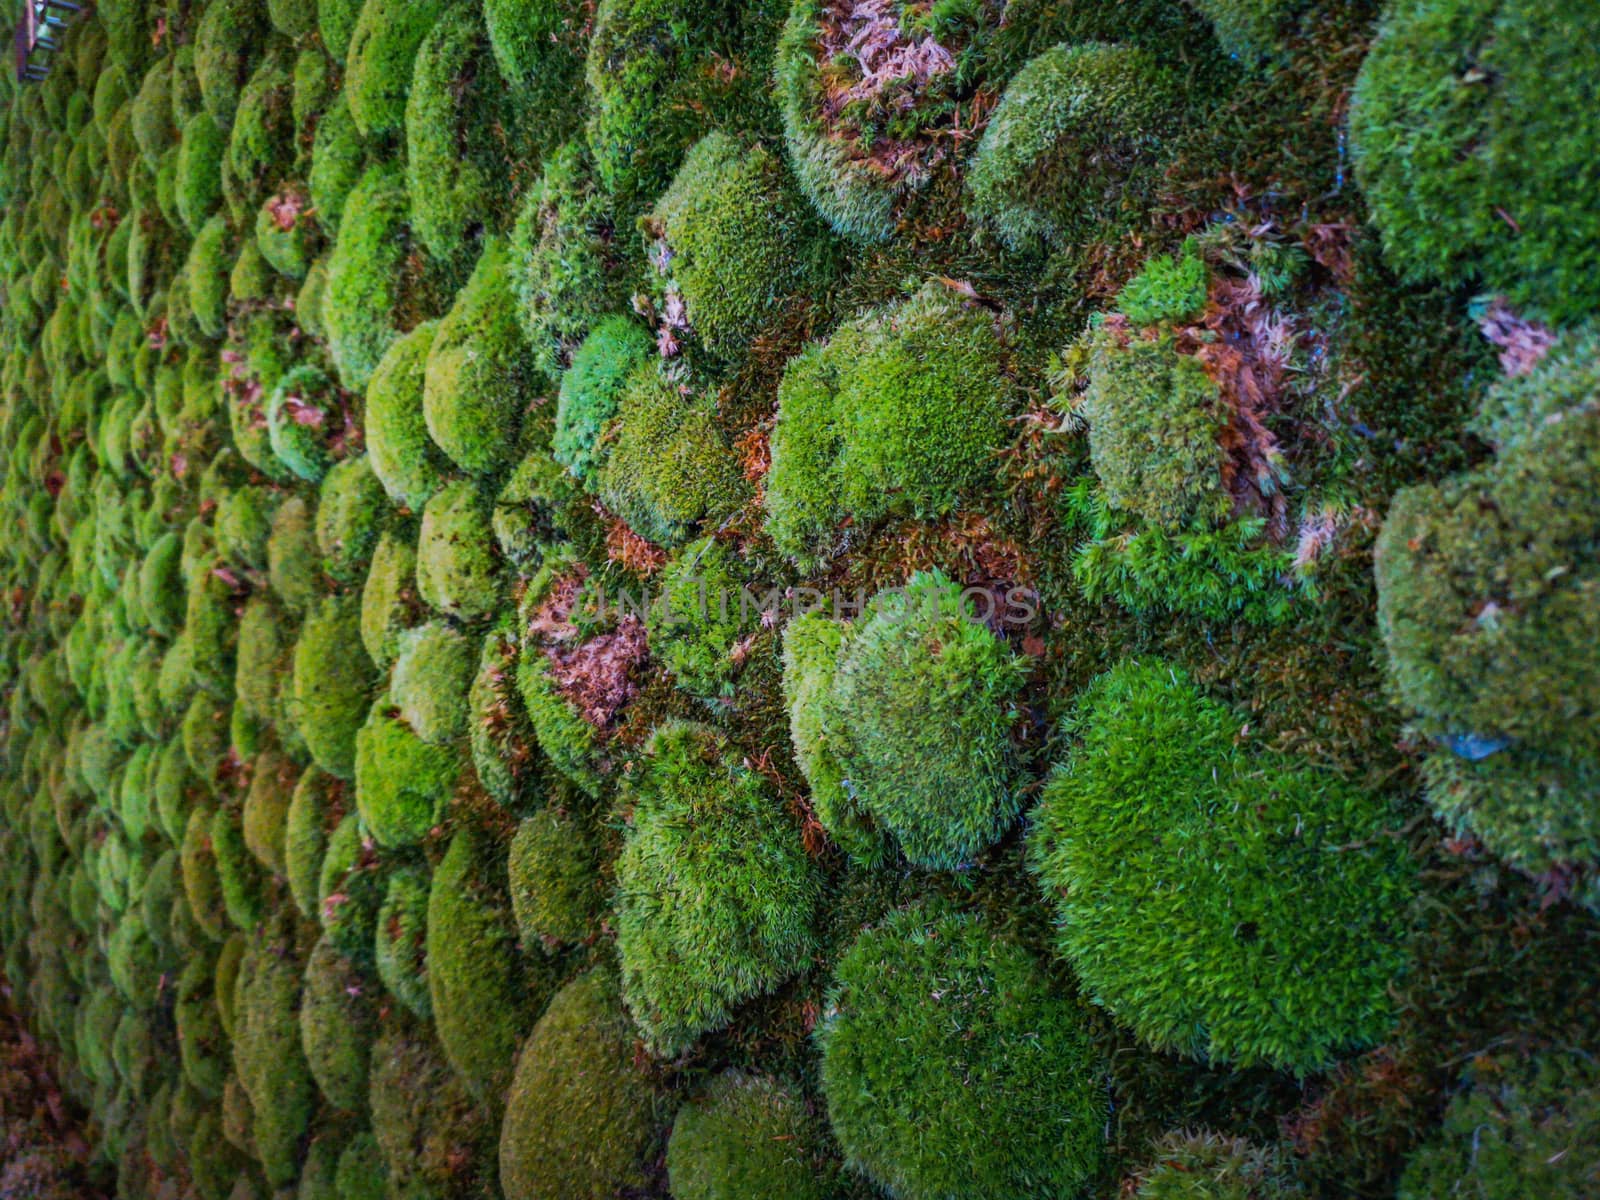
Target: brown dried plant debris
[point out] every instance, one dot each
(597, 675)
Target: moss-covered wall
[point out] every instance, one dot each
(816, 600)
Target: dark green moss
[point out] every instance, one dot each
(554, 879)
(402, 782)
(267, 1050)
(401, 942)
(338, 1020)
(333, 680)
(458, 562)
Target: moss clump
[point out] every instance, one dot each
(265, 647)
(293, 564)
(580, 1117)
(203, 1045)
(315, 808)
(333, 680)
(351, 513)
(1226, 905)
(898, 413)
(238, 873)
(362, 1173)
(461, 130)
(401, 945)
(210, 627)
(389, 601)
(669, 469)
(1439, 123)
(433, 671)
(242, 521)
(364, 274)
(480, 377)
(403, 457)
(538, 45)
(197, 189)
(338, 158)
(161, 590)
(306, 421)
(435, 1139)
(350, 889)
(660, 75)
(338, 1021)
(862, 161)
(1487, 601)
(748, 1138)
(914, 706)
(700, 616)
(261, 143)
(226, 44)
(1073, 125)
(211, 257)
(198, 864)
(501, 739)
(1252, 31)
(336, 22)
(458, 565)
(716, 894)
(555, 882)
(402, 782)
(592, 388)
(1520, 1129)
(267, 1050)
(732, 240)
(1204, 1166)
(378, 65)
(286, 231)
(927, 1011)
(483, 1001)
(570, 259)
(266, 808)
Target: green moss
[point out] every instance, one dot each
(434, 1137)
(1236, 907)
(201, 887)
(580, 1117)
(152, 112)
(226, 43)
(266, 808)
(293, 562)
(351, 513)
(293, 18)
(203, 1045)
(483, 1000)
(337, 162)
(1204, 1166)
(480, 377)
(333, 679)
(135, 962)
(538, 45)
(338, 1021)
(349, 889)
(267, 1050)
(433, 670)
(211, 258)
(1487, 586)
(401, 942)
(308, 300)
(161, 590)
(306, 419)
(362, 1174)
(660, 75)
(1439, 123)
(732, 240)
(1167, 288)
(861, 162)
(389, 602)
(205, 731)
(286, 231)
(241, 524)
(458, 566)
(1059, 148)
(405, 460)
(592, 388)
(716, 894)
(378, 65)
(669, 469)
(364, 274)
(748, 1138)
(261, 145)
(336, 21)
(402, 782)
(1519, 1129)
(700, 617)
(243, 888)
(555, 883)
(931, 1010)
(215, 1164)
(898, 413)
(315, 807)
(266, 641)
(570, 260)
(461, 130)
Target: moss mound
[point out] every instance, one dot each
(1225, 905)
(332, 683)
(748, 1136)
(929, 1009)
